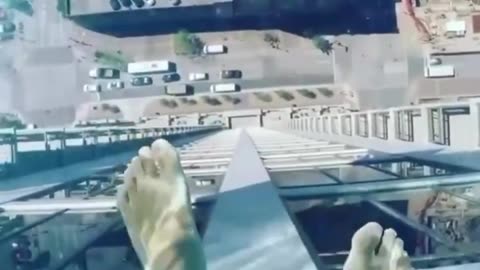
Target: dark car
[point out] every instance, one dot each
(126, 3)
(140, 81)
(139, 3)
(7, 27)
(231, 74)
(115, 5)
(172, 77)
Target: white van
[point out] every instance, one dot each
(177, 89)
(224, 87)
(214, 49)
(92, 88)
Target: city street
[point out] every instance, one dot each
(296, 62)
(204, 87)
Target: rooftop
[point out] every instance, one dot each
(451, 26)
(83, 7)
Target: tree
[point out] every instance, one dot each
(326, 92)
(186, 43)
(285, 95)
(113, 59)
(322, 43)
(211, 101)
(171, 104)
(23, 6)
(188, 101)
(63, 6)
(8, 120)
(265, 97)
(307, 93)
(233, 100)
(192, 102)
(110, 108)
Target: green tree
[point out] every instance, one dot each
(322, 43)
(113, 59)
(326, 92)
(171, 104)
(110, 108)
(265, 97)
(23, 6)
(307, 93)
(186, 43)
(285, 95)
(8, 120)
(233, 100)
(211, 101)
(192, 102)
(63, 6)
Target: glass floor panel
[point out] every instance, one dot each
(430, 222)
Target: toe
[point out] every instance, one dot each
(389, 239)
(399, 257)
(147, 162)
(165, 156)
(122, 198)
(133, 172)
(367, 238)
(135, 169)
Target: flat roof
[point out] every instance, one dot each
(84, 7)
(456, 26)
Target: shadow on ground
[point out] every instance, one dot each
(333, 18)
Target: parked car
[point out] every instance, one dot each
(104, 73)
(92, 88)
(172, 77)
(126, 3)
(198, 76)
(139, 3)
(115, 5)
(435, 61)
(3, 14)
(150, 2)
(141, 81)
(7, 27)
(231, 74)
(214, 49)
(115, 85)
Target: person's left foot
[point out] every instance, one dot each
(155, 207)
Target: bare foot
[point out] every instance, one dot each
(364, 256)
(155, 206)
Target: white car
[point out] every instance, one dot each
(198, 76)
(92, 88)
(150, 2)
(115, 85)
(435, 61)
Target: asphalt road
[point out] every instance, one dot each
(204, 86)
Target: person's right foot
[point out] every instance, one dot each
(364, 256)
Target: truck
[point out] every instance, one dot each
(104, 73)
(214, 49)
(146, 67)
(439, 71)
(224, 87)
(177, 89)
